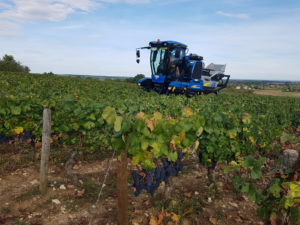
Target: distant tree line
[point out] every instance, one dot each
(135, 79)
(9, 64)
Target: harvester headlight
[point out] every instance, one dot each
(169, 88)
(139, 84)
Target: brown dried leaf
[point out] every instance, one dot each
(213, 220)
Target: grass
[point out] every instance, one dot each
(28, 194)
(11, 162)
(91, 189)
(187, 206)
(4, 210)
(179, 204)
(23, 155)
(72, 206)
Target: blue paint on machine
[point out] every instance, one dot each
(175, 72)
(160, 79)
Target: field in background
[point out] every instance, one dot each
(277, 93)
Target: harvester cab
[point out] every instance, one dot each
(173, 71)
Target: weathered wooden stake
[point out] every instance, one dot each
(122, 190)
(45, 150)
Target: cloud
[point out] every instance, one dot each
(234, 15)
(8, 29)
(53, 10)
(48, 10)
(5, 6)
(127, 1)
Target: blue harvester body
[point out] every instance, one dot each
(173, 71)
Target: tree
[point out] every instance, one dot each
(135, 79)
(9, 64)
(49, 73)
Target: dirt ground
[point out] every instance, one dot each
(277, 93)
(192, 201)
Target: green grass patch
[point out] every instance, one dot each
(28, 194)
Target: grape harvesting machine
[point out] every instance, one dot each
(173, 71)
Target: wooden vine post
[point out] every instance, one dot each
(122, 189)
(45, 150)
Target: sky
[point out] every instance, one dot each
(256, 39)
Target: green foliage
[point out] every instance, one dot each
(225, 127)
(104, 115)
(281, 196)
(135, 79)
(9, 64)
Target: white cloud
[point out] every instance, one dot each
(5, 6)
(127, 1)
(8, 29)
(52, 10)
(234, 15)
(48, 10)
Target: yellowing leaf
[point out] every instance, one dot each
(232, 135)
(38, 144)
(135, 160)
(196, 145)
(157, 115)
(144, 145)
(295, 189)
(109, 115)
(140, 115)
(168, 117)
(150, 125)
(187, 112)
(153, 221)
(199, 131)
(233, 163)
(118, 123)
(155, 149)
(251, 139)
(18, 130)
(175, 140)
(246, 118)
(181, 135)
(175, 218)
(213, 220)
(185, 150)
(161, 217)
(188, 211)
(262, 145)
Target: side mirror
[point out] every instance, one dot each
(138, 60)
(138, 54)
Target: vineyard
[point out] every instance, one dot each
(238, 135)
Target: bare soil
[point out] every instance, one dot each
(277, 93)
(192, 199)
